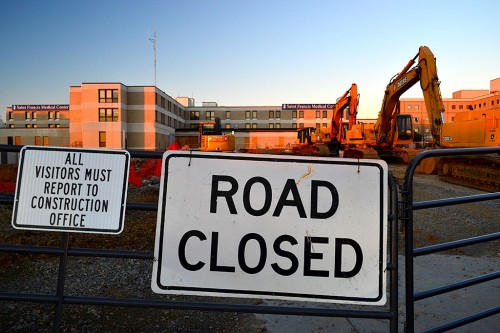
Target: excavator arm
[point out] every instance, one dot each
(429, 83)
(349, 99)
(425, 72)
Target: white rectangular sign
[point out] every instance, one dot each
(272, 226)
(73, 190)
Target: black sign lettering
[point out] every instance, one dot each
(215, 193)
(315, 184)
(309, 255)
(267, 196)
(339, 242)
(213, 256)
(262, 257)
(182, 250)
(290, 186)
(286, 254)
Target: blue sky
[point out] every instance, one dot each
(243, 52)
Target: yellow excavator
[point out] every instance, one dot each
(328, 141)
(391, 135)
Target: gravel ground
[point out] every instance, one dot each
(131, 278)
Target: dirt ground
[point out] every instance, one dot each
(18, 271)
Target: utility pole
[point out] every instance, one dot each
(154, 48)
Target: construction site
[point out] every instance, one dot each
(439, 194)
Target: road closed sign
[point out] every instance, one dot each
(272, 226)
(72, 190)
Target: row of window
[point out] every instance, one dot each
(210, 115)
(167, 105)
(461, 106)
(31, 115)
(166, 120)
(38, 140)
(36, 126)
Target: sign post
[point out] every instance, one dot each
(272, 226)
(72, 190)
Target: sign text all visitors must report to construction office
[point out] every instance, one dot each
(74, 190)
(269, 226)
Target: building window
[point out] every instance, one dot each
(294, 114)
(28, 125)
(301, 125)
(27, 115)
(278, 114)
(38, 141)
(228, 114)
(254, 125)
(33, 115)
(408, 107)
(271, 125)
(11, 115)
(318, 114)
(318, 125)
(194, 115)
(416, 107)
(247, 114)
(453, 107)
(294, 125)
(57, 125)
(247, 125)
(301, 114)
(228, 125)
(254, 114)
(51, 125)
(325, 114)
(324, 125)
(271, 114)
(58, 115)
(210, 115)
(108, 95)
(102, 139)
(18, 140)
(108, 115)
(278, 125)
(460, 107)
(45, 140)
(11, 126)
(51, 115)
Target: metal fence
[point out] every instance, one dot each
(408, 207)
(65, 252)
(401, 210)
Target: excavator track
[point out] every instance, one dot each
(480, 172)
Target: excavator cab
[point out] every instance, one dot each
(306, 135)
(404, 129)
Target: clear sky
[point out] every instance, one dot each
(237, 52)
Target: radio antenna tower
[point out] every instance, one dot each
(154, 48)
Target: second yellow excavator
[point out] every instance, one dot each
(392, 134)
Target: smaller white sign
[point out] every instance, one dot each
(71, 190)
